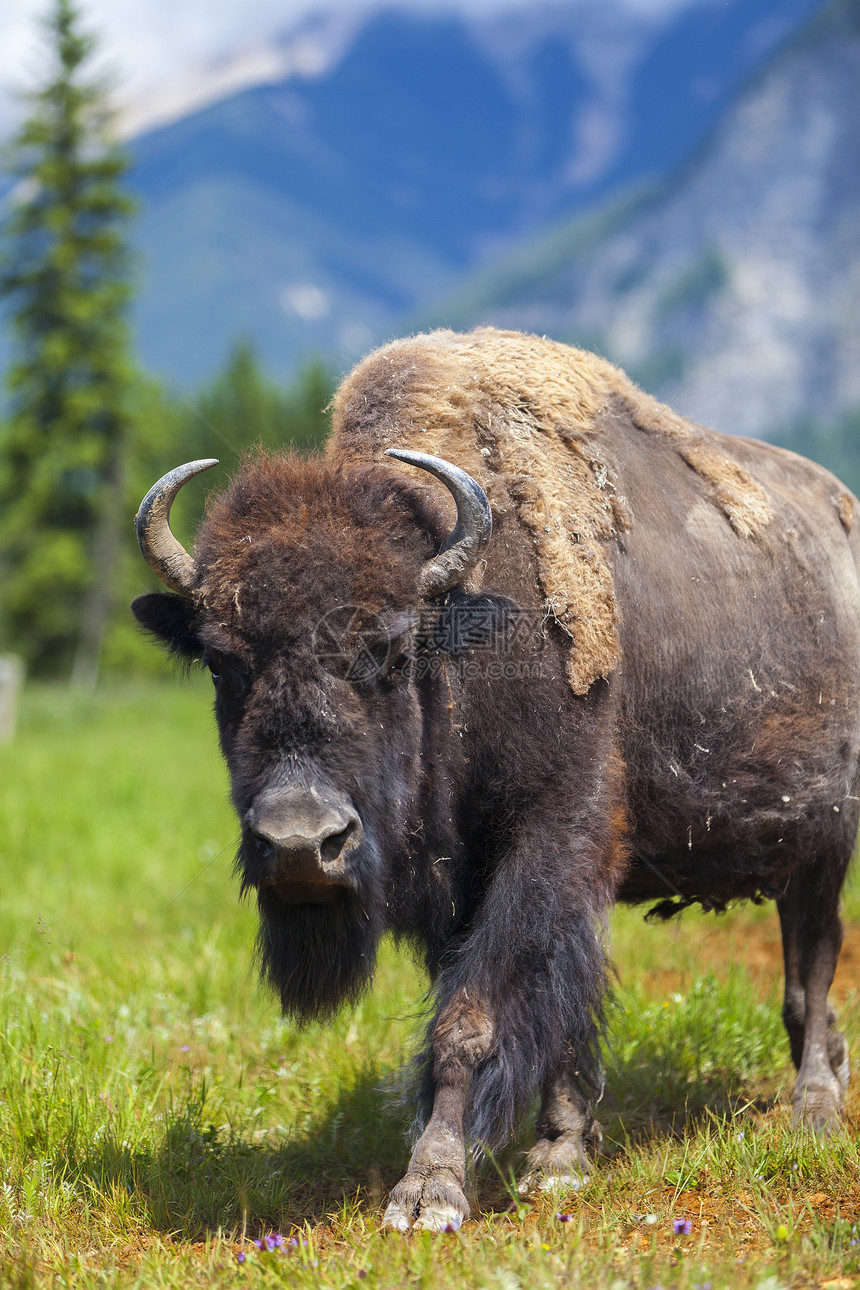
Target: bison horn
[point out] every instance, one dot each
(167, 557)
(462, 548)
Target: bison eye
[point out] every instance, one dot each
(226, 675)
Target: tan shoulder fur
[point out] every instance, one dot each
(522, 414)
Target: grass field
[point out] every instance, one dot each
(157, 1116)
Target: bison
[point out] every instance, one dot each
(643, 686)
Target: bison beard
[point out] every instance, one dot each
(316, 957)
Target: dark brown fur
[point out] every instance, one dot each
(712, 754)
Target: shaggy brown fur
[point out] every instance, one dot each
(534, 410)
(274, 530)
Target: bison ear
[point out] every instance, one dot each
(169, 618)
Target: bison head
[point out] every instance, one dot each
(301, 600)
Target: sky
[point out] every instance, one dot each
(166, 56)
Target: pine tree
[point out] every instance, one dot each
(245, 407)
(307, 400)
(66, 269)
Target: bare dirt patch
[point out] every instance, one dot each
(720, 945)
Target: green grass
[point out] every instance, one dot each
(156, 1114)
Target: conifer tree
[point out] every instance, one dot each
(65, 268)
(247, 407)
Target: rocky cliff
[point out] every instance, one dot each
(732, 289)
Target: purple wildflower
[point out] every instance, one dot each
(270, 1243)
(241, 1256)
(682, 1226)
(362, 1273)
(564, 1218)
(186, 1048)
(277, 1239)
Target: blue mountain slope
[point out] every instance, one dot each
(732, 287)
(704, 56)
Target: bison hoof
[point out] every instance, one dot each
(431, 1201)
(819, 1106)
(439, 1220)
(554, 1166)
(395, 1220)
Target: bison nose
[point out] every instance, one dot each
(304, 840)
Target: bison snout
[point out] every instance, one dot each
(304, 842)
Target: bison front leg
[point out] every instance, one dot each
(565, 1129)
(431, 1196)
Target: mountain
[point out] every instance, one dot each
(321, 212)
(733, 288)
